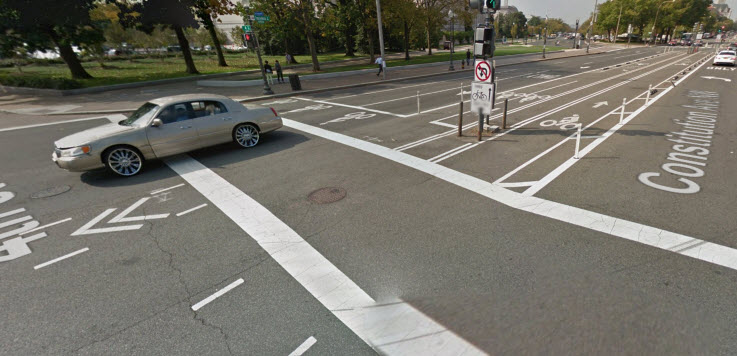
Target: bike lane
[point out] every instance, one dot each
(676, 172)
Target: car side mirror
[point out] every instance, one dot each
(157, 123)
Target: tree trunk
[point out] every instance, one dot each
(184, 44)
(429, 45)
(216, 43)
(67, 54)
(406, 41)
(310, 35)
(349, 42)
(371, 45)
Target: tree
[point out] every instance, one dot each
(175, 14)
(207, 11)
(433, 13)
(401, 15)
(306, 11)
(45, 24)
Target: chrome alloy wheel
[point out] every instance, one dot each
(124, 161)
(246, 135)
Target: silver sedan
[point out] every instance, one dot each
(164, 127)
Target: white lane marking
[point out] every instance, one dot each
(86, 229)
(165, 189)
(648, 235)
(191, 210)
(217, 294)
(590, 147)
(111, 118)
(61, 258)
(411, 96)
(301, 349)
(447, 133)
(515, 184)
(390, 89)
(45, 226)
(448, 152)
(445, 124)
(411, 332)
(547, 113)
(123, 216)
(353, 107)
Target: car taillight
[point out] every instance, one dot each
(274, 111)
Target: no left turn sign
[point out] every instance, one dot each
(483, 72)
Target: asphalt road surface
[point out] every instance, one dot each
(367, 225)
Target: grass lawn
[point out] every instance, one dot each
(126, 71)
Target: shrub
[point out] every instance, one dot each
(31, 81)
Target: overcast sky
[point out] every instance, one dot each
(568, 10)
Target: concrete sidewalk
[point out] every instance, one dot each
(125, 100)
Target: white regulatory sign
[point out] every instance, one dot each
(482, 97)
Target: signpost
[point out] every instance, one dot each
(259, 14)
(246, 28)
(483, 88)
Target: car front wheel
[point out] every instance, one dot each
(246, 135)
(124, 161)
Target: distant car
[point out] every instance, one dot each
(726, 57)
(699, 43)
(673, 43)
(164, 127)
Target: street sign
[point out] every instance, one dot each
(482, 73)
(482, 97)
(261, 22)
(251, 17)
(258, 13)
(246, 28)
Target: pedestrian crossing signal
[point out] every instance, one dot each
(493, 4)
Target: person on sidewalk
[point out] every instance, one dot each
(380, 62)
(279, 75)
(468, 57)
(269, 73)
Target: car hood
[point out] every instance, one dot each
(95, 133)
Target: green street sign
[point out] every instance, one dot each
(246, 28)
(261, 22)
(262, 19)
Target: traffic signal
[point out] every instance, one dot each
(483, 42)
(248, 41)
(493, 4)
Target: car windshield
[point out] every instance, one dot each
(141, 115)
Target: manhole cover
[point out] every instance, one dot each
(50, 192)
(327, 195)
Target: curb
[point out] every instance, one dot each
(321, 90)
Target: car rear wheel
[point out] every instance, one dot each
(246, 135)
(124, 161)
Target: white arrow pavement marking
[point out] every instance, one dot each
(724, 79)
(600, 104)
(122, 217)
(86, 229)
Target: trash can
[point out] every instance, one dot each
(294, 82)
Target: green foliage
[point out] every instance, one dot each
(34, 81)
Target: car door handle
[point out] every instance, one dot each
(185, 127)
(227, 118)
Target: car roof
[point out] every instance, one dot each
(166, 100)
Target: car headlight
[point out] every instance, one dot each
(74, 151)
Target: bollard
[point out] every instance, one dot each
(621, 114)
(649, 90)
(460, 119)
(578, 142)
(418, 101)
(461, 92)
(481, 124)
(504, 117)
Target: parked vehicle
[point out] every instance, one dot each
(164, 127)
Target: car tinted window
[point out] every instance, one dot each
(175, 113)
(208, 108)
(727, 53)
(143, 114)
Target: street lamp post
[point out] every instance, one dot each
(591, 26)
(545, 33)
(656, 19)
(381, 37)
(450, 15)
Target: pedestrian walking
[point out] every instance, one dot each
(279, 75)
(380, 62)
(288, 58)
(269, 72)
(468, 57)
